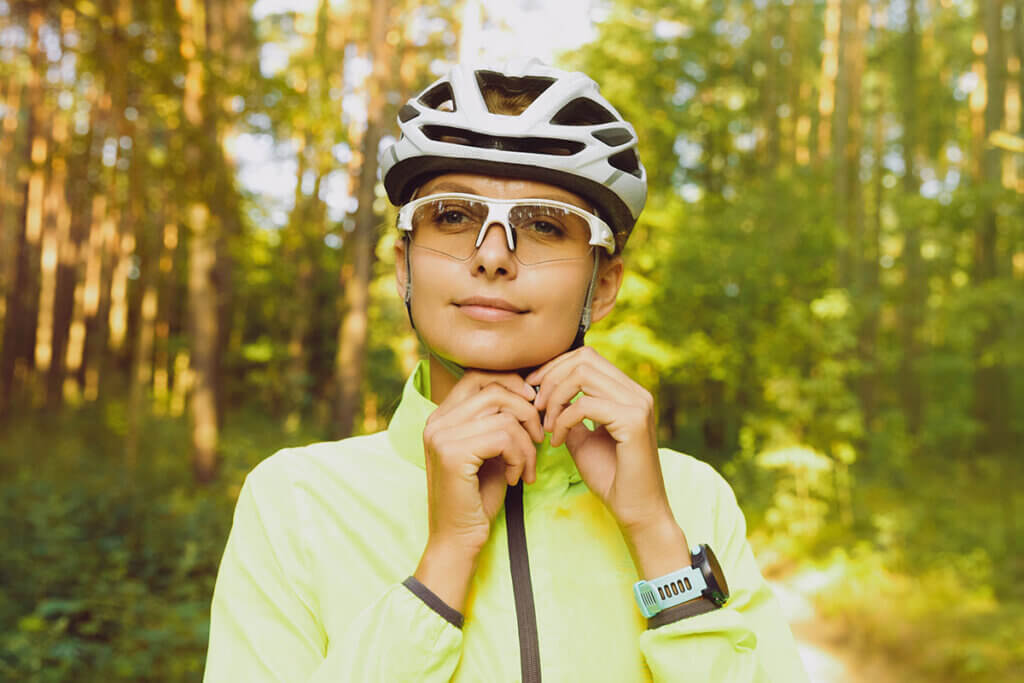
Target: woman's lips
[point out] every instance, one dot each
(487, 309)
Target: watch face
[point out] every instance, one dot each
(719, 592)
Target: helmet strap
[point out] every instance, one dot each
(456, 370)
(587, 304)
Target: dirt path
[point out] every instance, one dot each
(820, 642)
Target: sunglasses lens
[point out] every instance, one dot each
(541, 232)
(549, 233)
(449, 226)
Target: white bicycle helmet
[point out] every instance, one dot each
(569, 136)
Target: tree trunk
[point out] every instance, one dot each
(57, 302)
(871, 296)
(991, 385)
(19, 319)
(847, 141)
(203, 319)
(146, 303)
(295, 257)
(165, 297)
(356, 277)
(10, 157)
(829, 73)
(912, 313)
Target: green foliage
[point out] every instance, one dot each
(834, 376)
(107, 573)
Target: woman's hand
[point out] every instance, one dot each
(481, 438)
(619, 459)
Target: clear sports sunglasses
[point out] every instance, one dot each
(536, 230)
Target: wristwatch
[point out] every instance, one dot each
(702, 579)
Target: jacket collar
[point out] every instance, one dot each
(555, 466)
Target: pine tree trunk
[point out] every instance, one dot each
(829, 74)
(9, 196)
(19, 320)
(991, 385)
(847, 142)
(912, 305)
(145, 303)
(352, 336)
(65, 265)
(203, 319)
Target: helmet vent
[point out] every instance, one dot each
(613, 137)
(627, 161)
(583, 112)
(407, 112)
(468, 138)
(510, 95)
(439, 97)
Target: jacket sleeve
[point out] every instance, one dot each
(747, 640)
(265, 623)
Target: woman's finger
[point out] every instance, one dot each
(625, 423)
(471, 444)
(589, 379)
(474, 381)
(553, 375)
(492, 399)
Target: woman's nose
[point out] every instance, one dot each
(493, 255)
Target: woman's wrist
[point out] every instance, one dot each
(447, 569)
(658, 549)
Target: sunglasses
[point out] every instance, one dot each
(536, 230)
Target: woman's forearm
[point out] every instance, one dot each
(447, 569)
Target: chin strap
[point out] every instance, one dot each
(587, 302)
(457, 370)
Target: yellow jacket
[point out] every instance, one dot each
(315, 580)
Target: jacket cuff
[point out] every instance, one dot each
(677, 612)
(449, 614)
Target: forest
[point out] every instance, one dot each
(825, 294)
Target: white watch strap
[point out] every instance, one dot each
(666, 591)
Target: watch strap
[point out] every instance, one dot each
(683, 611)
(666, 591)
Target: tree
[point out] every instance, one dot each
(356, 275)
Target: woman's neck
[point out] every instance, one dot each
(441, 380)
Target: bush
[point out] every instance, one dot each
(108, 574)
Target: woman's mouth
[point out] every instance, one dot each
(488, 309)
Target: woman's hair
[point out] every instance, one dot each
(502, 100)
(511, 96)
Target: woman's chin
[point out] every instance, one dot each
(493, 361)
(493, 351)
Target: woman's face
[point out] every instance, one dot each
(490, 311)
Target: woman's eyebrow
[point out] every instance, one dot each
(452, 187)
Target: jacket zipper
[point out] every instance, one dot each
(522, 587)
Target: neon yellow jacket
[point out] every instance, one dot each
(313, 583)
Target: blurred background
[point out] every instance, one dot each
(825, 294)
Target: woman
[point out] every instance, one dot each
(517, 517)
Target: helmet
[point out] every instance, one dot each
(568, 135)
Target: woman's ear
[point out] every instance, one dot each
(606, 289)
(401, 274)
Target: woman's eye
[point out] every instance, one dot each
(451, 217)
(546, 228)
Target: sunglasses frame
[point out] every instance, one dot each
(498, 211)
